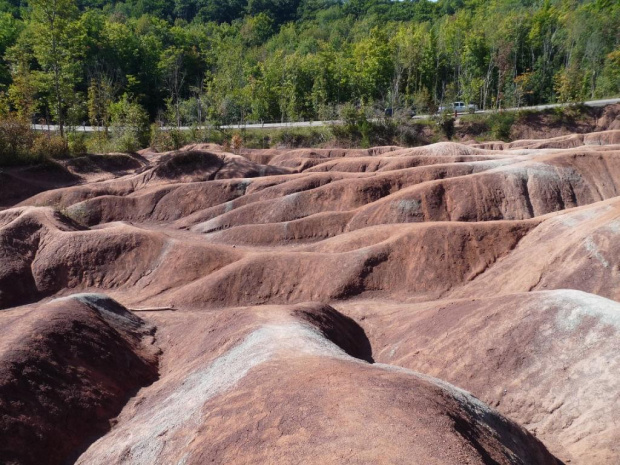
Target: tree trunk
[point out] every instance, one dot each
(59, 102)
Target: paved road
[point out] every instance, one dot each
(590, 103)
(309, 124)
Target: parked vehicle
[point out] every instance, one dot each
(459, 107)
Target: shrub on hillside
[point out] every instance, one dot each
(445, 122)
(410, 135)
(164, 140)
(98, 142)
(131, 130)
(77, 144)
(358, 130)
(236, 142)
(21, 145)
(50, 146)
(297, 137)
(16, 141)
(500, 124)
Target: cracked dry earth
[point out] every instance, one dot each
(446, 304)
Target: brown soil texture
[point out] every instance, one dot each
(446, 304)
(67, 367)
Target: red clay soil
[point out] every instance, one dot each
(317, 306)
(267, 385)
(67, 367)
(547, 359)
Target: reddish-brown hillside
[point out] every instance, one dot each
(445, 304)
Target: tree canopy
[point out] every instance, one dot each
(269, 60)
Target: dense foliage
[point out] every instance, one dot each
(188, 61)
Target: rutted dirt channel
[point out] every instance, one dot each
(444, 304)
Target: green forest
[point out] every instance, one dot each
(185, 62)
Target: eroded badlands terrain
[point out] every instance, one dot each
(447, 304)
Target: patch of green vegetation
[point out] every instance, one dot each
(570, 114)
(423, 122)
(445, 123)
(500, 124)
(20, 145)
(473, 118)
(287, 137)
(358, 129)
